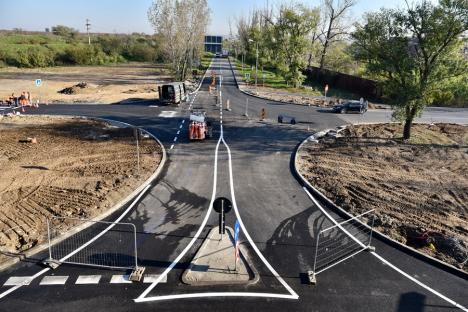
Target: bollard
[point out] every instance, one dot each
(263, 114)
(228, 106)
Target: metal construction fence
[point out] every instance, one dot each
(342, 241)
(98, 243)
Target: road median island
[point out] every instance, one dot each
(65, 167)
(214, 263)
(418, 189)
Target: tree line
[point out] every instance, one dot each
(418, 54)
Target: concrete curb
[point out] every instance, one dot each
(107, 213)
(343, 213)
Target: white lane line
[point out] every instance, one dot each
(172, 146)
(120, 279)
(167, 114)
(175, 139)
(151, 278)
(88, 279)
(183, 120)
(143, 295)
(53, 280)
(180, 127)
(292, 293)
(9, 291)
(18, 280)
(178, 132)
(428, 288)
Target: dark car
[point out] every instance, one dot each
(351, 106)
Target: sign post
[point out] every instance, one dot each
(38, 83)
(222, 205)
(236, 239)
(326, 90)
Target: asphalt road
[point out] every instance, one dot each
(278, 215)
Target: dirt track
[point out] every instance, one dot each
(418, 189)
(77, 168)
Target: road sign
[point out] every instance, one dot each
(222, 205)
(38, 82)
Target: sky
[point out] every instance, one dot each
(127, 16)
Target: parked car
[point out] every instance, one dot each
(351, 106)
(172, 93)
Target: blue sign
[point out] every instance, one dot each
(236, 231)
(38, 82)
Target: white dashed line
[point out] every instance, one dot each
(150, 278)
(18, 280)
(88, 279)
(180, 127)
(53, 280)
(175, 139)
(120, 279)
(172, 146)
(183, 121)
(178, 132)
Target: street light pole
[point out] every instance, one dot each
(256, 70)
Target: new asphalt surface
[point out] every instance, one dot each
(281, 219)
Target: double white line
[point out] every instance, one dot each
(291, 293)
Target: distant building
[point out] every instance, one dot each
(214, 44)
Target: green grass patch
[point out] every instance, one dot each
(270, 79)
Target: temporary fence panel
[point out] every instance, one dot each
(342, 241)
(101, 244)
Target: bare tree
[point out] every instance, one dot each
(181, 25)
(333, 22)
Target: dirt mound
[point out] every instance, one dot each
(77, 168)
(77, 89)
(418, 189)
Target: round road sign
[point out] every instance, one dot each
(222, 203)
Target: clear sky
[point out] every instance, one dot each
(126, 16)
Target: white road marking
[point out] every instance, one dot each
(172, 146)
(180, 127)
(433, 291)
(53, 280)
(18, 280)
(151, 278)
(120, 279)
(167, 114)
(9, 291)
(183, 121)
(88, 279)
(292, 294)
(175, 139)
(178, 132)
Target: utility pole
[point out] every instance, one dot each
(88, 26)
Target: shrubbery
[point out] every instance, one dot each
(67, 47)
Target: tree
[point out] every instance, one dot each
(413, 52)
(333, 22)
(181, 26)
(64, 31)
(291, 32)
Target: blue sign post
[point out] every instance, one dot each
(38, 82)
(236, 239)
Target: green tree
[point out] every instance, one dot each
(413, 52)
(291, 32)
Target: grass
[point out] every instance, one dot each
(270, 79)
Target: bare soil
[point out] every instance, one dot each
(419, 189)
(99, 84)
(78, 168)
